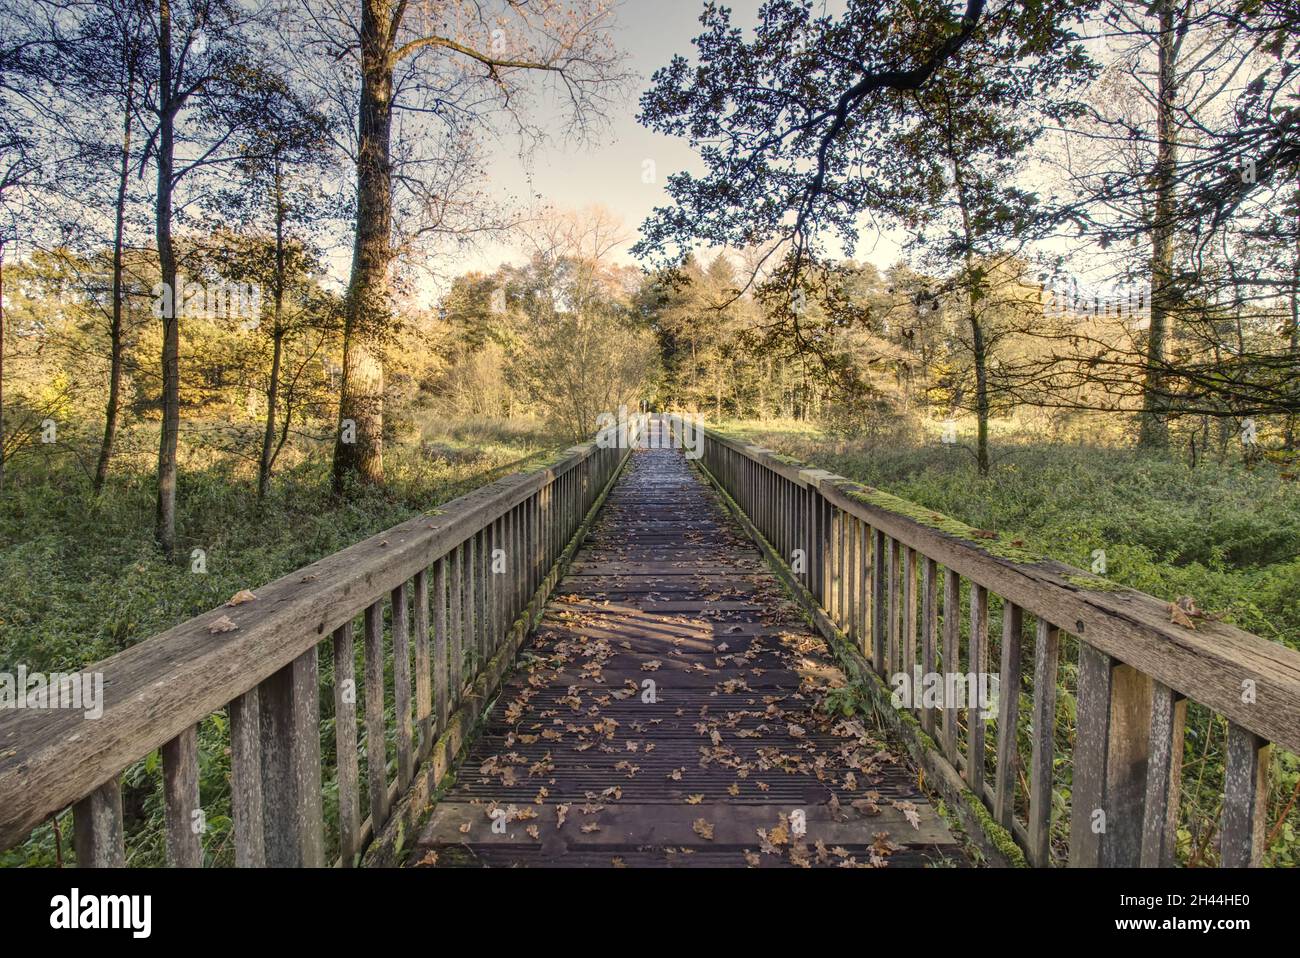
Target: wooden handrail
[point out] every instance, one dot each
(156, 692)
(863, 552)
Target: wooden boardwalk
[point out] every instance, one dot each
(668, 712)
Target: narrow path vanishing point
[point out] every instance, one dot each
(579, 764)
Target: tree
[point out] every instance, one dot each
(787, 123)
(24, 64)
(973, 125)
(283, 152)
(106, 67)
(821, 121)
(451, 63)
(567, 325)
(1184, 175)
(203, 61)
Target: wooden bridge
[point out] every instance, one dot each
(629, 658)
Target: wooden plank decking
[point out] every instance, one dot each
(580, 765)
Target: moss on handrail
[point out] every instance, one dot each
(982, 539)
(987, 540)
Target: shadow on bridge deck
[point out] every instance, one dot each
(667, 712)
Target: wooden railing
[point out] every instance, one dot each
(865, 559)
(417, 624)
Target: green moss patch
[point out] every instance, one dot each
(934, 520)
(1092, 582)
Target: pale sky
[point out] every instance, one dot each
(650, 32)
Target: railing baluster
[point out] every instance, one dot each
(879, 606)
(826, 551)
(470, 622)
(441, 642)
(951, 658)
(1245, 798)
(850, 576)
(864, 588)
(909, 620)
(423, 690)
(1008, 758)
(526, 540)
(1047, 646)
(1164, 776)
(529, 550)
(292, 817)
(801, 536)
(345, 745)
(977, 664)
(402, 685)
(539, 566)
(491, 588)
(376, 746)
(482, 570)
(504, 579)
(812, 560)
(246, 780)
(1110, 762)
(97, 832)
(180, 760)
(517, 566)
(455, 624)
(895, 606)
(841, 543)
(929, 633)
(786, 525)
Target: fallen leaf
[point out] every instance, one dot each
(240, 597)
(909, 812)
(883, 846)
(703, 829)
(223, 624)
(1178, 617)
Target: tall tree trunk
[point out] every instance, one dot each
(277, 345)
(2, 364)
(979, 350)
(115, 322)
(974, 291)
(1153, 430)
(1294, 345)
(272, 401)
(165, 513)
(358, 447)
